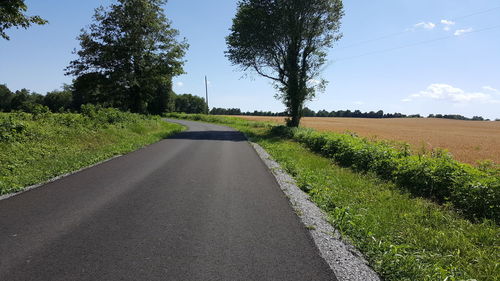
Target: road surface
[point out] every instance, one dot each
(198, 206)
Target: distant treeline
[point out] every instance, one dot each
(341, 113)
(68, 99)
(458, 117)
(237, 111)
(306, 112)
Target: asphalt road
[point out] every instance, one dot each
(198, 206)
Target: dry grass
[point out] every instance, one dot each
(468, 141)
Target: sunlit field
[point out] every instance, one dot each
(468, 141)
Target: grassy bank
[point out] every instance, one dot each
(404, 237)
(37, 147)
(469, 142)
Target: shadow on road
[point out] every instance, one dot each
(211, 135)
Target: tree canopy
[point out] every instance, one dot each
(191, 104)
(12, 14)
(128, 56)
(286, 41)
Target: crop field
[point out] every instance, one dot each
(468, 141)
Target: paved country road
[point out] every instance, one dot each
(198, 206)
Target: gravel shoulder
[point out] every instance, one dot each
(344, 259)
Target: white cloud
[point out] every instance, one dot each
(447, 24)
(491, 89)
(179, 84)
(425, 25)
(463, 31)
(359, 103)
(452, 94)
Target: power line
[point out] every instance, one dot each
(372, 40)
(476, 13)
(416, 44)
(406, 31)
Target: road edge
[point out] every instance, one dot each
(345, 260)
(35, 186)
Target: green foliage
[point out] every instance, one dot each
(35, 147)
(232, 121)
(190, 104)
(11, 129)
(472, 191)
(58, 101)
(26, 101)
(163, 100)
(287, 42)
(128, 57)
(5, 98)
(12, 15)
(404, 238)
(94, 88)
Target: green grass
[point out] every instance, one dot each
(37, 147)
(403, 237)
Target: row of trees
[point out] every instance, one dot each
(130, 53)
(127, 58)
(237, 111)
(457, 117)
(342, 113)
(68, 99)
(356, 114)
(306, 112)
(25, 100)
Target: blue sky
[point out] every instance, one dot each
(428, 56)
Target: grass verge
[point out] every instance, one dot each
(37, 147)
(403, 237)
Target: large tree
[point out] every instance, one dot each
(286, 41)
(128, 56)
(12, 14)
(5, 98)
(190, 104)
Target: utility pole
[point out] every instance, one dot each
(206, 92)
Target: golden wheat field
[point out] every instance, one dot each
(468, 141)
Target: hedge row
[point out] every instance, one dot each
(475, 192)
(219, 119)
(21, 126)
(35, 147)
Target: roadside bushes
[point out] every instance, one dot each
(472, 191)
(403, 238)
(35, 147)
(20, 126)
(217, 119)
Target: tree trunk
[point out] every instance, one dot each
(138, 104)
(294, 95)
(294, 103)
(294, 121)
